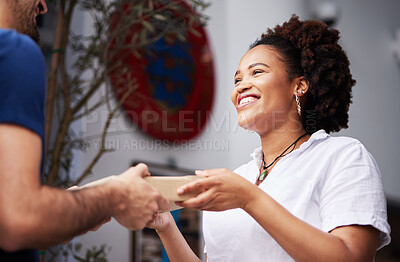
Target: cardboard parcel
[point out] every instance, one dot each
(168, 185)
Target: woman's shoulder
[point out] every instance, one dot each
(335, 143)
(337, 152)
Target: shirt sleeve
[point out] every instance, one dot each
(22, 83)
(353, 193)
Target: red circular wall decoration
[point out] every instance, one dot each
(175, 89)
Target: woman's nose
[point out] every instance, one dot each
(243, 86)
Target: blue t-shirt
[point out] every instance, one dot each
(22, 96)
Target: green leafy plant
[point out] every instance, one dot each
(94, 254)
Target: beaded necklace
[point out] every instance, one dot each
(264, 171)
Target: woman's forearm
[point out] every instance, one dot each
(175, 244)
(304, 242)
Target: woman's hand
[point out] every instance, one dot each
(220, 190)
(160, 221)
(172, 239)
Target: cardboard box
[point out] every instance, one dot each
(168, 185)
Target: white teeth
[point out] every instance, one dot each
(247, 100)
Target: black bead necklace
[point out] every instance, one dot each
(264, 171)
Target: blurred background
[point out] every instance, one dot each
(370, 34)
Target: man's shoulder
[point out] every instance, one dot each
(22, 81)
(22, 64)
(15, 46)
(9, 38)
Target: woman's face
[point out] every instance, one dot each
(263, 94)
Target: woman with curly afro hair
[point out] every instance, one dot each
(305, 195)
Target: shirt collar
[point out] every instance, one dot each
(319, 135)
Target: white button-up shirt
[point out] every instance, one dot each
(328, 182)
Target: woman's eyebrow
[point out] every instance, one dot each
(256, 64)
(251, 66)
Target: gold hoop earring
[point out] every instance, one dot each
(298, 104)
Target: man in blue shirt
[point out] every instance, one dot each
(32, 215)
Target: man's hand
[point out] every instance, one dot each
(138, 200)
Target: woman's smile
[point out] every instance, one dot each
(246, 99)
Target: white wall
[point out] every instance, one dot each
(233, 26)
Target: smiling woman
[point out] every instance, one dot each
(262, 93)
(305, 195)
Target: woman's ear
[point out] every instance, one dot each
(301, 86)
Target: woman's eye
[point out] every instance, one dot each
(237, 80)
(257, 71)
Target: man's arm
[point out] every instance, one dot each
(34, 216)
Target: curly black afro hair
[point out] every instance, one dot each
(310, 49)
